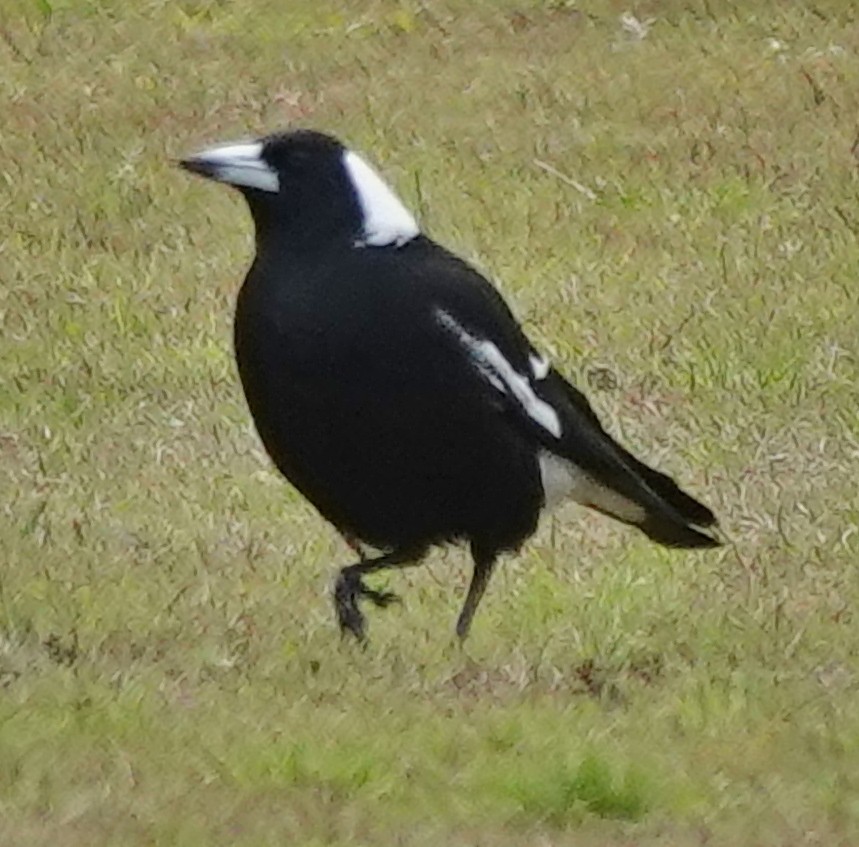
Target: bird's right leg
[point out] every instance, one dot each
(483, 565)
(349, 587)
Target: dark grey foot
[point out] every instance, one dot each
(347, 589)
(350, 588)
(380, 598)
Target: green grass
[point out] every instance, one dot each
(170, 668)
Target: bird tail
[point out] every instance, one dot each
(678, 522)
(692, 510)
(673, 534)
(655, 515)
(611, 480)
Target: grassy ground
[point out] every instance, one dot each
(674, 216)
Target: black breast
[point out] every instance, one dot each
(368, 410)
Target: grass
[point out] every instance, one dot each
(170, 669)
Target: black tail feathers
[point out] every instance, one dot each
(667, 530)
(674, 534)
(628, 489)
(686, 506)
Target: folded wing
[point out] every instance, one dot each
(576, 453)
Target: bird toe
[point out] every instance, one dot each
(381, 598)
(349, 616)
(351, 622)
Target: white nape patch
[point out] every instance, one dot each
(562, 479)
(240, 164)
(387, 222)
(499, 373)
(539, 365)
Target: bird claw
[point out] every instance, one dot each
(346, 594)
(352, 622)
(346, 603)
(381, 598)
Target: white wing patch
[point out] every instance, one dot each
(539, 366)
(499, 373)
(387, 222)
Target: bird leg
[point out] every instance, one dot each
(349, 587)
(483, 566)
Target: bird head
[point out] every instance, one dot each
(306, 188)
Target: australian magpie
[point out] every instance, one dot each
(391, 385)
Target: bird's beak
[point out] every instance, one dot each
(241, 165)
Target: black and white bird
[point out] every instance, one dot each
(391, 385)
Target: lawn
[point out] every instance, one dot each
(667, 194)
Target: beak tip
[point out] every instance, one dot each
(194, 165)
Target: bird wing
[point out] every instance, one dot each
(557, 416)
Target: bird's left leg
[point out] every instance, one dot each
(483, 565)
(349, 587)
